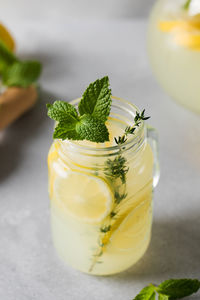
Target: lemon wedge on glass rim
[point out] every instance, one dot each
(83, 196)
(6, 37)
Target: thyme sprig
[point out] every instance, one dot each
(105, 229)
(131, 129)
(115, 171)
(116, 168)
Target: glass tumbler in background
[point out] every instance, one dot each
(174, 51)
(101, 196)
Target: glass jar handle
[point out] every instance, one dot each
(152, 137)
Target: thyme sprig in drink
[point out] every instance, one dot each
(100, 190)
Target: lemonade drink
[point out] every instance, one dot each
(174, 50)
(101, 197)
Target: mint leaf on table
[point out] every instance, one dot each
(96, 100)
(89, 124)
(92, 129)
(15, 72)
(147, 293)
(21, 73)
(179, 288)
(163, 297)
(171, 289)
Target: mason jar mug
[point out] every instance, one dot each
(101, 196)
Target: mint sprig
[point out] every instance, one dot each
(96, 100)
(21, 73)
(92, 129)
(61, 111)
(163, 297)
(131, 129)
(147, 293)
(179, 288)
(171, 289)
(88, 123)
(15, 72)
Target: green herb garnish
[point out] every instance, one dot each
(96, 100)
(115, 171)
(116, 168)
(187, 5)
(105, 229)
(15, 72)
(171, 289)
(88, 123)
(131, 129)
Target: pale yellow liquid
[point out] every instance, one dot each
(77, 241)
(175, 54)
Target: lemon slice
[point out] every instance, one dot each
(6, 37)
(185, 39)
(135, 227)
(185, 33)
(84, 196)
(52, 158)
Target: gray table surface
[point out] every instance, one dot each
(75, 53)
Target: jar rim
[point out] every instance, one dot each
(132, 141)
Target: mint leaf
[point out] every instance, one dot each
(171, 289)
(21, 73)
(67, 116)
(73, 127)
(147, 293)
(89, 124)
(179, 288)
(92, 129)
(62, 111)
(163, 297)
(66, 131)
(96, 100)
(7, 58)
(153, 297)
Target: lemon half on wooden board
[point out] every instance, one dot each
(7, 38)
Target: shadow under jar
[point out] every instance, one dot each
(101, 196)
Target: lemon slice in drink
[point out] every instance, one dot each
(84, 196)
(134, 229)
(6, 37)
